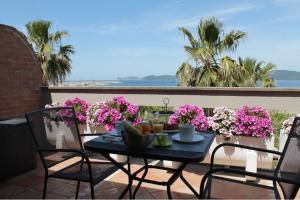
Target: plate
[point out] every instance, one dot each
(197, 138)
(115, 133)
(170, 131)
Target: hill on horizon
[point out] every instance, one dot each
(277, 74)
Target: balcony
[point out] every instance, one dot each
(29, 184)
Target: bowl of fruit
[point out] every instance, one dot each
(137, 137)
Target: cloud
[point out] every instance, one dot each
(222, 14)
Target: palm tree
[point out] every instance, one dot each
(206, 49)
(254, 72)
(53, 56)
(231, 74)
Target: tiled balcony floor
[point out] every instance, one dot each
(29, 185)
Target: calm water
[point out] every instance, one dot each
(279, 83)
(145, 83)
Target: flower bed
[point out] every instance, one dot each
(248, 126)
(251, 126)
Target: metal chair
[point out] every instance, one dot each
(58, 141)
(286, 174)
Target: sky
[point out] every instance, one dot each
(120, 38)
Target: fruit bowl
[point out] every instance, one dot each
(136, 141)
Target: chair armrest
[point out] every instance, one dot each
(239, 146)
(242, 172)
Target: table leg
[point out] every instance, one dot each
(129, 178)
(121, 167)
(142, 178)
(188, 185)
(174, 177)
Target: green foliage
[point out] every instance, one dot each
(54, 57)
(277, 119)
(146, 112)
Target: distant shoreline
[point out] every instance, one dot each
(153, 83)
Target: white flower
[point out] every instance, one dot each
(222, 121)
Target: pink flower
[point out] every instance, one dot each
(80, 106)
(190, 114)
(253, 121)
(117, 109)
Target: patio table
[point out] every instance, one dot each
(179, 152)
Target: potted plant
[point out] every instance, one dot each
(284, 131)
(113, 111)
(251, 126)
(222, 122)
(117, 109)
(190, 117)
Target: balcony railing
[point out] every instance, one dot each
(270, 98)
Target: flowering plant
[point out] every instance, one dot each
(287, 125)
(80, 106)
(117, 109)
(190, 114)
(53, 105)
(222, 121)
(253, 121)
(52, 115)
(92, 114)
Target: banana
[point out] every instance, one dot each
(132, 130)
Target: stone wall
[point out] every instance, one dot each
(20, 75)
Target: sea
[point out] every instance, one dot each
(279, 83)
(155, 83)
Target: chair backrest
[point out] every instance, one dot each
(54, 129)
(289, 163)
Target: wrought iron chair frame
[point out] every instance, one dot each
(273, 178)
(84, 156)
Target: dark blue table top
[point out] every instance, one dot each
(180, 152)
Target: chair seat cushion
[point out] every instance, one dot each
(224, 188)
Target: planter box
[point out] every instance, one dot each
(231, 156)
(282, 140)
(241, 157)
(59, 135)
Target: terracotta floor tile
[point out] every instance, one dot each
(30, 181)
(35, 194)
(11, 190)
(143, 193)
(17, 178)
(107, 194)
(105, 185)
(30, 184)
(58, 188)
(175, 195)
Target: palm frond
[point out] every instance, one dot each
(231, 40)
(190, 37)
(57, 36)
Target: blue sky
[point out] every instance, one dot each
(115, 38)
